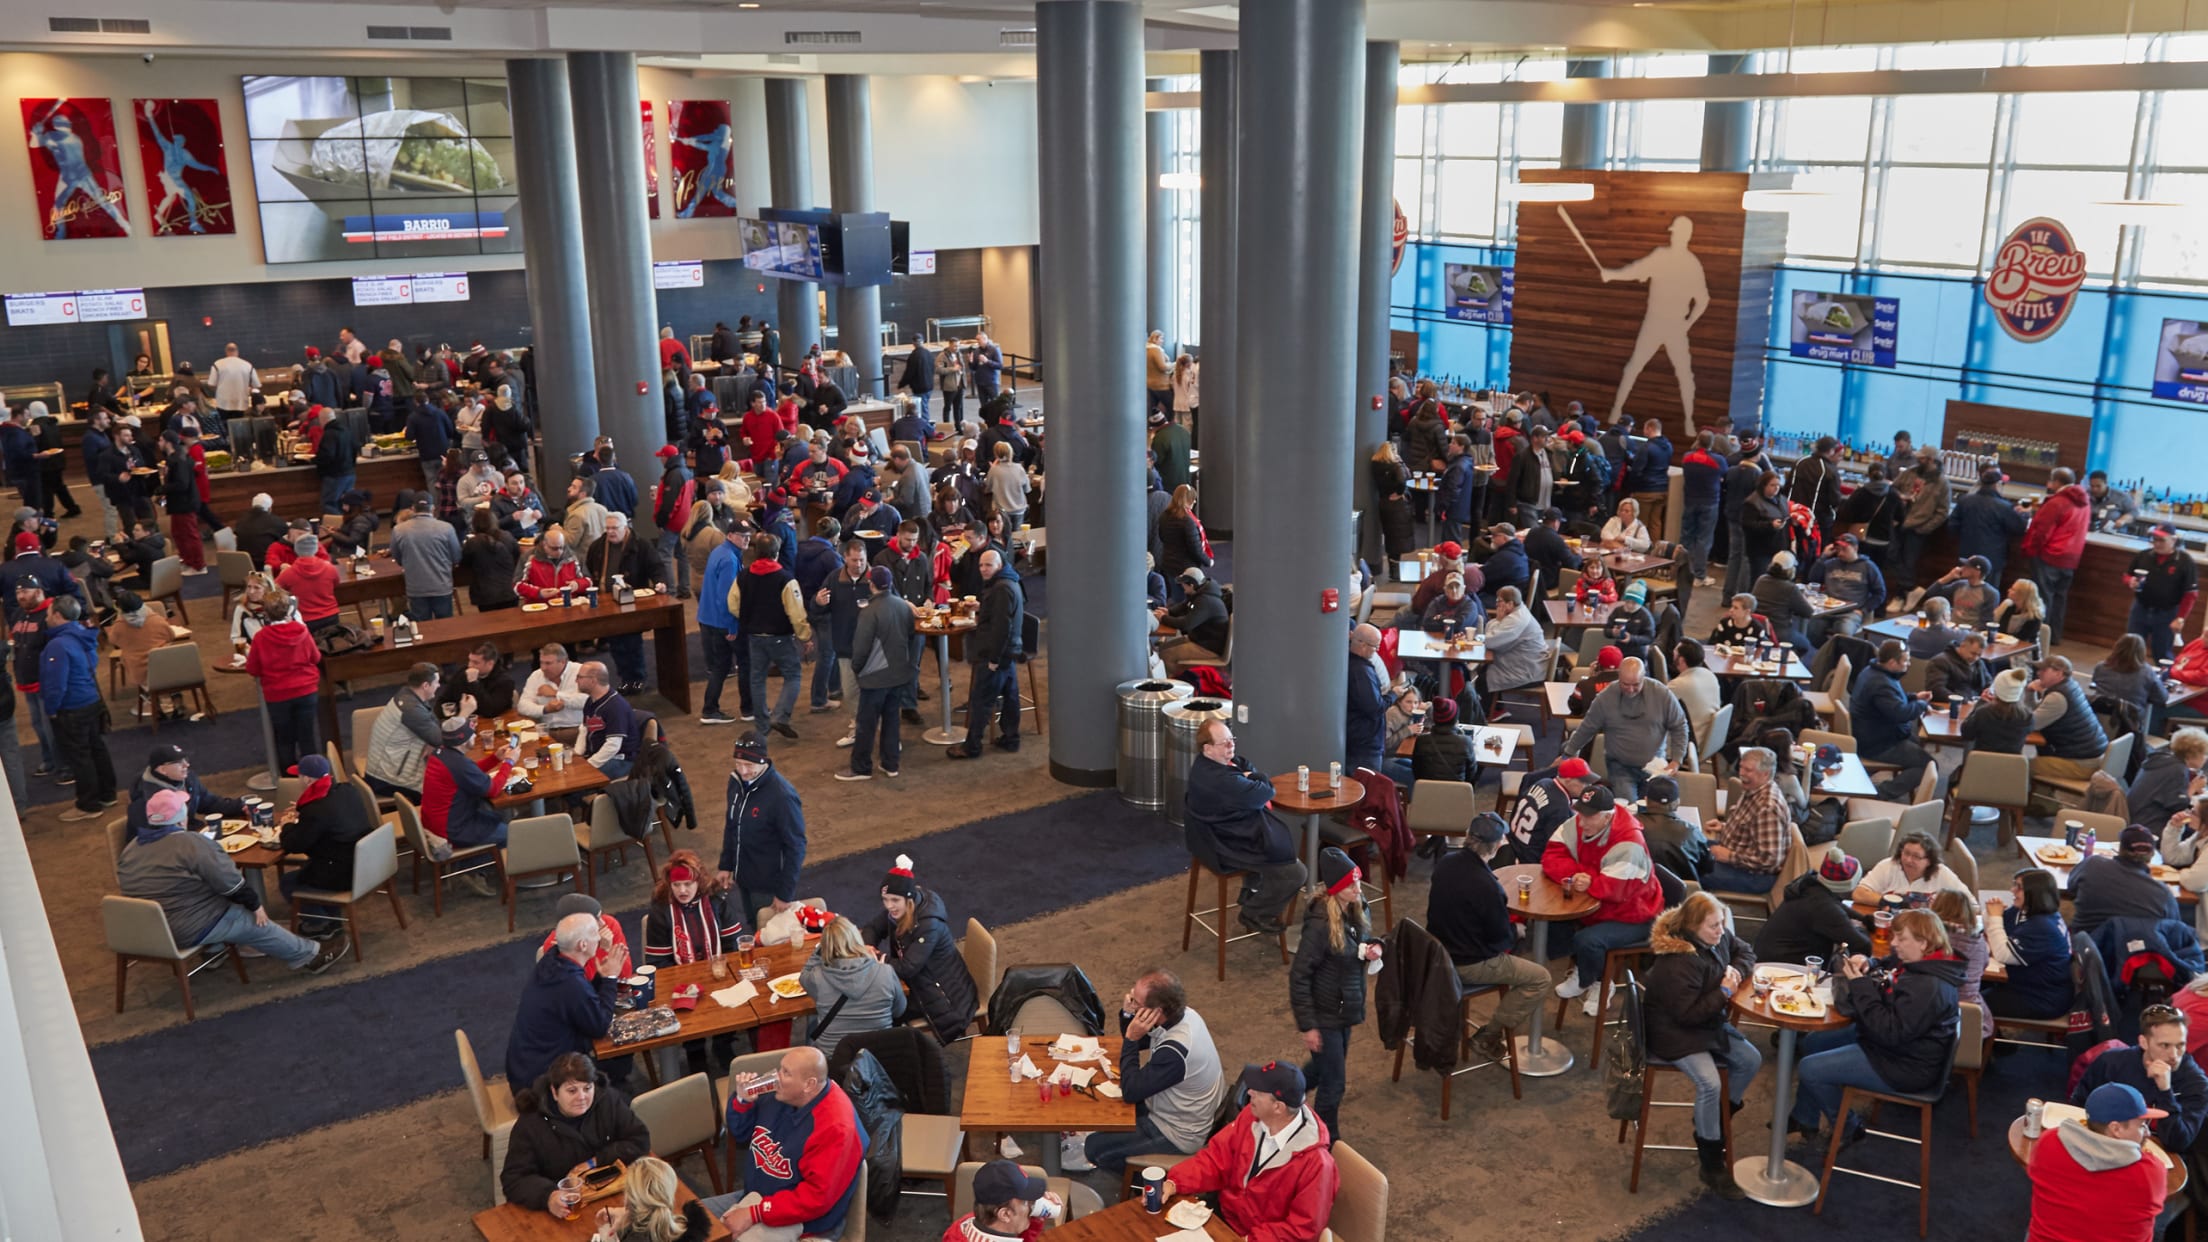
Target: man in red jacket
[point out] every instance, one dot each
(1271, 1166)
(1603, 854)
(2092, 1180)
(2054, 542)
(803, 1147)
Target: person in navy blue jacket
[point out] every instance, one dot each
(803, 1147)
(1367, 726)
(1460, 490)
(816, 562)
(431, 430)
(1701, 494)
(763, 836)
(1986, 522)
(1508, 565)
(611, 739)
(615, 489)
(19, 453)
(1648, 477)
(563, 1010)
(2161, 1071)
(1886, 718)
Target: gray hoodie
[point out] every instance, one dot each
(1635, 728)
(2097, 1153)
(872, 997)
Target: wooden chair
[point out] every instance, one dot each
(1192, 918)
(494, 1102)
(232, 569)
(1853, 1097)
(603, 836)
(2113, 761)
(684, 1119)
(165, 584)
(175, 669)
(539, 845)
(2003, 782)
(375, 868)
(138, 931)
(1361, 1202)
(462, 861)
(1970, 1058)
(979, 951)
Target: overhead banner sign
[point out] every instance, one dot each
(1844, 327)
(187, 175)
(26, 310)
(410, 290)
(76, 170)
(679, 274)
(1479, 294)
(2035, 279)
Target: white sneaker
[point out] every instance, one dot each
(845, 742)
(1571, 987)
(1593, 1006)
(1073, 1154)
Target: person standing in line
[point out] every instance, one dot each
(235, 381)
(718, 631)
(2054, 543)
(1158, 374)
(1649, 479)
(69, 685)
(1326, 982)
(1930, 502)
(886, 654)
(427, 549)
(1701, 495)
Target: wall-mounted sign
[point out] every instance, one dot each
(2035, 279)
(700, 141)
(2180, 361)
(1844, 327)
(921, 263)
(187, 172)
(679, 274)
(76, 168)
(27, 310)
(1478, 294)
(406, 290)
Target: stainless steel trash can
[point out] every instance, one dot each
(1142, 738)
(1184, 724)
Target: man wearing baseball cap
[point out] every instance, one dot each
(763, 836)
(2162, 1072)
(1452, 561)
(2164, 585)
(1970, 597)
(1008, 1203)
(2122, 887)
(1986, 523)
(1543, 806)
(1271, 1167)
(1199, 620)
(1602, 855)
(206, 901)
(1845, 574)
(2091, 1180)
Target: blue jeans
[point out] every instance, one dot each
(1741, 1063)
(333, 487)
(1109, 1152)
(628, 657)
(1590, 943)
(617, 767)
(875, 709)
(993, 689)
(921, 398)
(428, 607)
(825, 680)
(2153, 624)
(670, 551)
(779, 651)
(236, 927)
(1739, 574)
(1327, 1075)
(1697, 527)
(1830, 1061)
(1727, 878)
(1625, 778)
(43, 727)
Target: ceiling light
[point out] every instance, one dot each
(2136, 210)
(1549, 191)
(748, 4)
(1781, 201)
(1180, 181)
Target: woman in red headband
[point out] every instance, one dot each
(1326, 982)
(689, 921)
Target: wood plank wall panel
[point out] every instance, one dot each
(1572, 333)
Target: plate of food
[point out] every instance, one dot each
(240, 843)
(1793, 977)
(2164, 872)
(533, 607)
(519, 727)
(1796, 1003)
(786, 987)
(2057, 855)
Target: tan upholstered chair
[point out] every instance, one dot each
(165, 584)
(176, 669)
(1361, 1204)
(494, 1102)
(539, 845)
(232, 569)
(2003, 782)
(460, 862)
(1441, 808)
(138, 931)
(2114, 761)
(603, 836)
(979, 949)
(684, 1117)
(375, 868)
(1867, 839)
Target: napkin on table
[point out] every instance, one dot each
(1027, 1067)
(737, 996)
(1188, 1214)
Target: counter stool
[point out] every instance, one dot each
(1639, 1125)
(1192, 918)
(1614, 965)
(1850, 1097)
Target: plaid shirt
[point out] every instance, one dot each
(1756, 830)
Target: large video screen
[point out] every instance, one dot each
(2181, 362)
(1479, 294)
(772, 248)
(385, 168)
(1843, 327)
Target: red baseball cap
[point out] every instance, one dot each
(1450, 550)
(1574, 769)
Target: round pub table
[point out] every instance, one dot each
(2020, 1148)
(1546, 903)
(1773, 1179)
(1322, 798)
(264, 781)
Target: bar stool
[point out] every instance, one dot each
(1923, 1102)
(1192, 918)
(1639, 1125)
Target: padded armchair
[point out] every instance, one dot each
(684, 1118)
(2003, 782)
(175, 669)
(1361, 1203)
(375, 868)
(461, 861)
(979, 949)
(138, 931)
(165, 584)
(494, 1102)
(603, 836)
(1441, 809)
(539, 845)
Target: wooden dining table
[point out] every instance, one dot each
(2021, 1145)
(1771, 1178)
(511, 1222)
(1126, 1221)
(995, 1105)
(710, 1017)
(1546, 902)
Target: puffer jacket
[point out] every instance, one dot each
(1908, 1017)
(546, 1143)
(2056, 535)
(926, 958)
(1326, 986)
(1685, 1006)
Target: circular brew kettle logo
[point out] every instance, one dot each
(2035, 279)
(1402, 234)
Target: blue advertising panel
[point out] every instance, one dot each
(1843, 327)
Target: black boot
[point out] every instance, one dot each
(1715, 1173)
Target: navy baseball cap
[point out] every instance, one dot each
(2118, 1101)
(1283, 1082)
(1001, 1181)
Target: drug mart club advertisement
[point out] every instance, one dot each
(1844, 327)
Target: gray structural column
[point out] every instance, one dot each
(1216, 215)
(1088, 105)
(617, 250)
(790, 180)
(1303, 74)
(1375, 257)
(1586, 126)
(851, 188)
(1729, 125)
(552, 241)
(1157, 249)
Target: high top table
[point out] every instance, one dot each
(1772, 1178)
(1320, 799)
(1538, 1055)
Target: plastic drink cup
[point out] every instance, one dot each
(762, 1085)
(572, 1186)
(744, 946)
(1153, 1190)
(1525, 889)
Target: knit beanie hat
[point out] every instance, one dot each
(1336, 871)
(2008, 684)
(1838, 872)
(899, 881)
(1445, 711)
(1637, 591)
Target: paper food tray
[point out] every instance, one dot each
(643, 1024)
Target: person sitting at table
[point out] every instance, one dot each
(1642, 726)
(551, 570)
(206, 901)
(1543, 806)
(251, 613)
(1783, 605)
(1934, 634)
(2091, 1180)
(806, 1145)
(1200, 620)
(481, 676)
(1886, 717)
(1601, 854)
(1695, 686)
(1272, 1166)
(2127, 674)
(1675, 844)
(853, 990)
(1971, 599)
(1906, 1022)
(2167, 783)
(563, 1009)
(1005, 1197)
(136, 632)
(1230, 818)
(567, 1118)
(1468, 913)
(1966, 939)
(260, 529)
(1176, 1092)
(1452, 611)
(1845, 576)
(2062, 713)
(552, 695)
(1739, 626)
(1595, 587)
(1630, 627)
(2121, 886)
(2022, 612)
(1998, 722)
(1441, 752)
(913, 934)
(1505, 565)
(311, 581)
(611, 738)
(2162, 1072)
(286, 550)
(323, 823)
(1960, 671)
(169, 768)
(1914, 867)
(1625, 528)
(1517, 651)
(404, 734)
(356, 526)
(457, 789)
(1753, 837)
(1698, 965)
(1607, 662)
(2029, 939)
(1449, 559)
(647, 1211)
(1814, 914)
